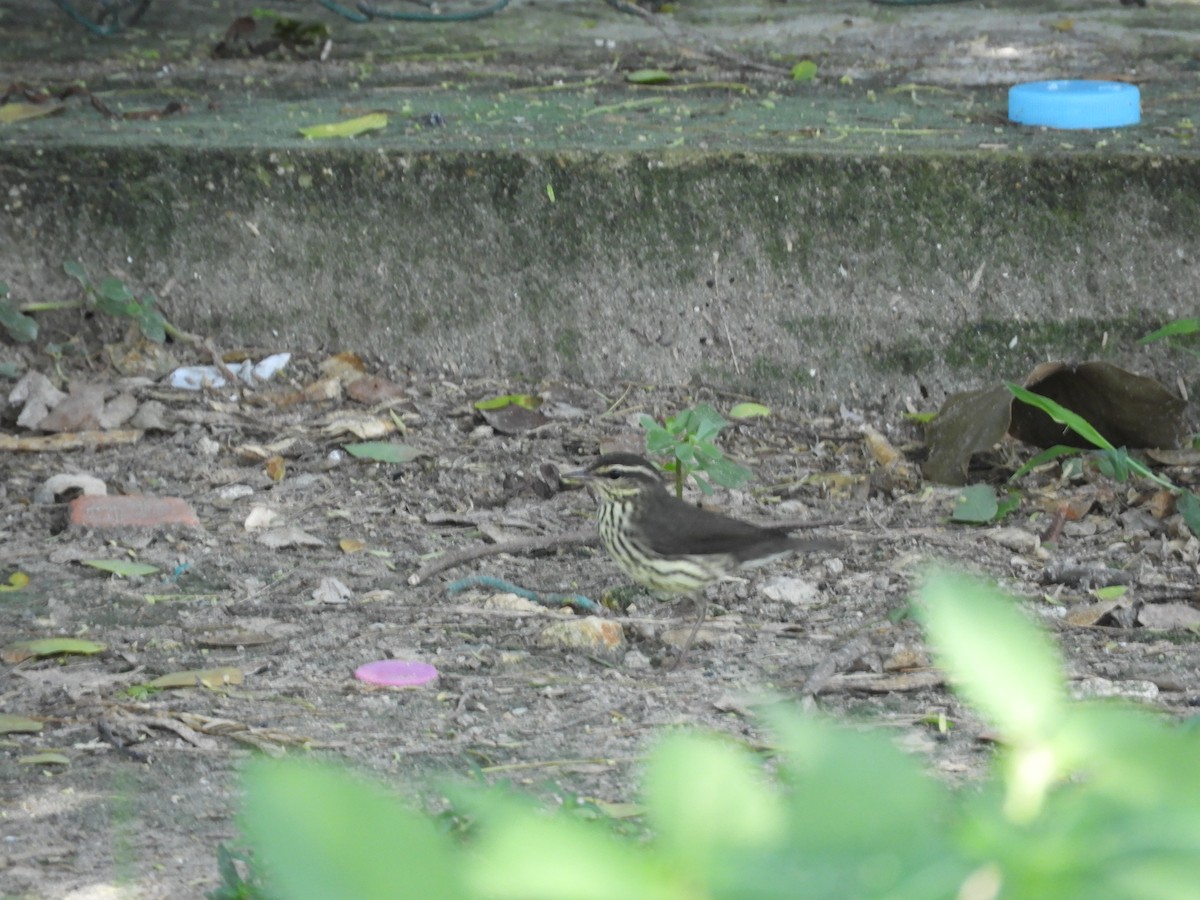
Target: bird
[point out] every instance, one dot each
(668, 545)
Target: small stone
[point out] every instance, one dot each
(231, 492)
(57, 485)
(206, 446)
(591, 634)
(131, 511)
(676, 638)
(1095, 687)
(1016, 539)
(796, 591)
(515, 603)
(905, 657)
(332, 591)
(636, 660)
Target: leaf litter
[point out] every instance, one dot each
(297, 580)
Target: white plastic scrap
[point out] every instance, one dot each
(193, 378)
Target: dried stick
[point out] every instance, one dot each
(455, 558)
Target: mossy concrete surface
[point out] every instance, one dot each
(878, 234)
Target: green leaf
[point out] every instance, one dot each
(707, 800)
(834, 776)
(1111, 592)
(44, 758)
(114, 289)
(1000, 661)
(20, 327)
(384, 451)
(347, 128)
(527, 401)
(1047, 455)
(648, 76)
(17, 581)
(39, 647)
(114, 298)
(10, 724)
(1177, 328)
(805, 70)
(123, 568)
(77, 271)
(1188, 506)
(727, 474)
(1115, 464)
(151, 322)
(704, 422)
(1061, 415)
(320, 833)
(523, 854)
(659, 441)
(975, 504)
(550, 192)
(749, 411)
(1010, 503)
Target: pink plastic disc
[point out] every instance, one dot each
(396, 673)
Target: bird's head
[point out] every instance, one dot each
(618, 476)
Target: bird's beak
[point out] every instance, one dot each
(577, 476)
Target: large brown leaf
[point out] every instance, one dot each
(1132, 411)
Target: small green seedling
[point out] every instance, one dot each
(977, 504)
(1114, 462)
(111, 296)
(685, 441)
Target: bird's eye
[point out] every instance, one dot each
(613, 474)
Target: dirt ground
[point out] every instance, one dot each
(145, 821)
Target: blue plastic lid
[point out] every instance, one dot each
(1075, 104)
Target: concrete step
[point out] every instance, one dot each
(880, 232)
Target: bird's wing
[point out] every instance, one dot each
(674, 528)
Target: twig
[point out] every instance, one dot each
(109, 737)
(455, 558)
(219, 362)
(827, 667)
(732, 352)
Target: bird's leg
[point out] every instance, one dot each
(701, 603)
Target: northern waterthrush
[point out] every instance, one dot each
(671, 546)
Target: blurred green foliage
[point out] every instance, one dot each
(1087, 800)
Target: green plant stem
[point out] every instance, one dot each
(49, 305)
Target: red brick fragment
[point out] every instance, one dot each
(131, 511)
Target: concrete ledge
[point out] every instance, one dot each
(810, 276)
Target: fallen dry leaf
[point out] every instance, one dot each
(372, 389)
(209, 678)
(276, 468)
(278, 538)
(1168, 616)
(345, 367)
(72, 441)
(1129, 410)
